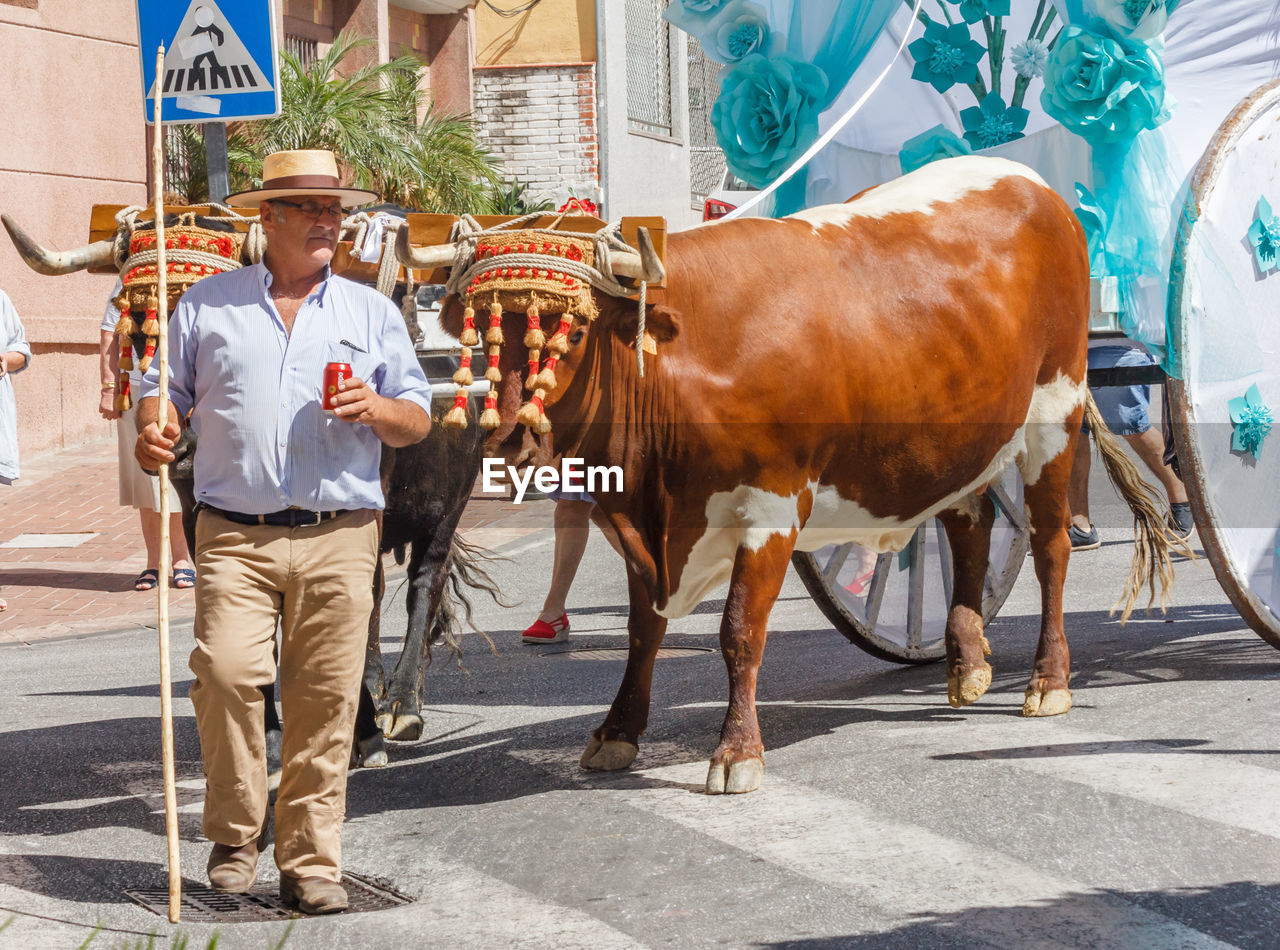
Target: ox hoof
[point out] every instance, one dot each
(369, 753)
(384, 721)
(968, 687)
(1053, 702)
(406, 728)
(986, 646)
(735, 778)
(609, 755)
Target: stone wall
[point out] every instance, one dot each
(541, 122)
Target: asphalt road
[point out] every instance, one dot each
(1147, 817)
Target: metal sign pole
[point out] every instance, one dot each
(215, 153)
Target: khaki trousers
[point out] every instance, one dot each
(319, 582)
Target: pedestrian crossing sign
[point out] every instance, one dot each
(220, 59)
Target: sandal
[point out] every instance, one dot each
(184, 578)
(147, 580)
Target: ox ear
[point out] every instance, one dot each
(660, 322)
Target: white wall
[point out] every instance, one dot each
(644, 175)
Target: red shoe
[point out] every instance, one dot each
(557, 631)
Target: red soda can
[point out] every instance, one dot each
(334, 374)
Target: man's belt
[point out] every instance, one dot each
(288, 518)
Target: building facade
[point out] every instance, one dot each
(71, 110)
(599, 99)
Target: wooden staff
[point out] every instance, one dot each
(166, 556)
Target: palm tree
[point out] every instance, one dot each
(369, 119)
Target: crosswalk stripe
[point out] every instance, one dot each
(1206, 784)
(844, 844)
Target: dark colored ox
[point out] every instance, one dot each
(426, 487)
(840, 375)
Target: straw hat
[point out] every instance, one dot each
(312, 171)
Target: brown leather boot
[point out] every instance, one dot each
(233, 870)
(313, 895)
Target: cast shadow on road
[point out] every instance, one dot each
(68, 580)
(1222, 911)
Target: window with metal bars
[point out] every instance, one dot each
(304, 49)
(706, 160)
(648, 68)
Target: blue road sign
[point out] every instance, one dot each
(220, 59)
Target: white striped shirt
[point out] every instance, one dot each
(254, 391)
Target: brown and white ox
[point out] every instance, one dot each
(840, 375)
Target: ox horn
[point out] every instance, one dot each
(55, 263)
(644, 266)
(422, 258)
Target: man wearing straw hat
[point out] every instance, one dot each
(288, 498)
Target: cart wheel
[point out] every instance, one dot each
(1224, 330)
(895, 605)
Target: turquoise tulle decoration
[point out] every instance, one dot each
(931, 145)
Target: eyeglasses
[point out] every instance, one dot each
(312, 209)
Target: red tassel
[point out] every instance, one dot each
(456, 418)
(493, 373)
(490, 419)
(533, 337)
(469, 336)
(533, 415)
(494, 334)
(147, 355)
(531, 377)
(547, 378)
(463, 376)
(559, 344)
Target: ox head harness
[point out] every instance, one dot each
(195, 247)
(537, 271)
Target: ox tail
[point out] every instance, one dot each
(1153, 541)
(468, 574)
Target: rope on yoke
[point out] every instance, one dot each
(543, 272)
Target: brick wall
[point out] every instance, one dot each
(541, 122)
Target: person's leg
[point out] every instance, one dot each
(322, 644)
(236, 610)
(178, 548)
(149, 577)
(572, 528)
(1148, 445)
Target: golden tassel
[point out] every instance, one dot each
(463, 375)
(493, 373)
(490, 419)
(493, 336)
(456, 418)
(469, 336)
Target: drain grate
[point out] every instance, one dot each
(620, 653)
(202, 904)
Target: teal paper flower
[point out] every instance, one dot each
(931, 145)
(1135, 19)
(1105, 90)
(766, 114)
(693, 16)
(1030, 57)
(1094, 221)
(993, 123)
(741, 29)
(975, 10)
(1252, 421)
(946, 55)
(1265, 235)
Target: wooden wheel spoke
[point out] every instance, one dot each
(945, 563)
(836, 561)
(1005, 506)
(875, 591)
(915, 593)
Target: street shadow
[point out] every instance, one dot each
(79, 878)
(68, 580)
(1240, 914)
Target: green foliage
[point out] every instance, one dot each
(514, 199)
(369, 117)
